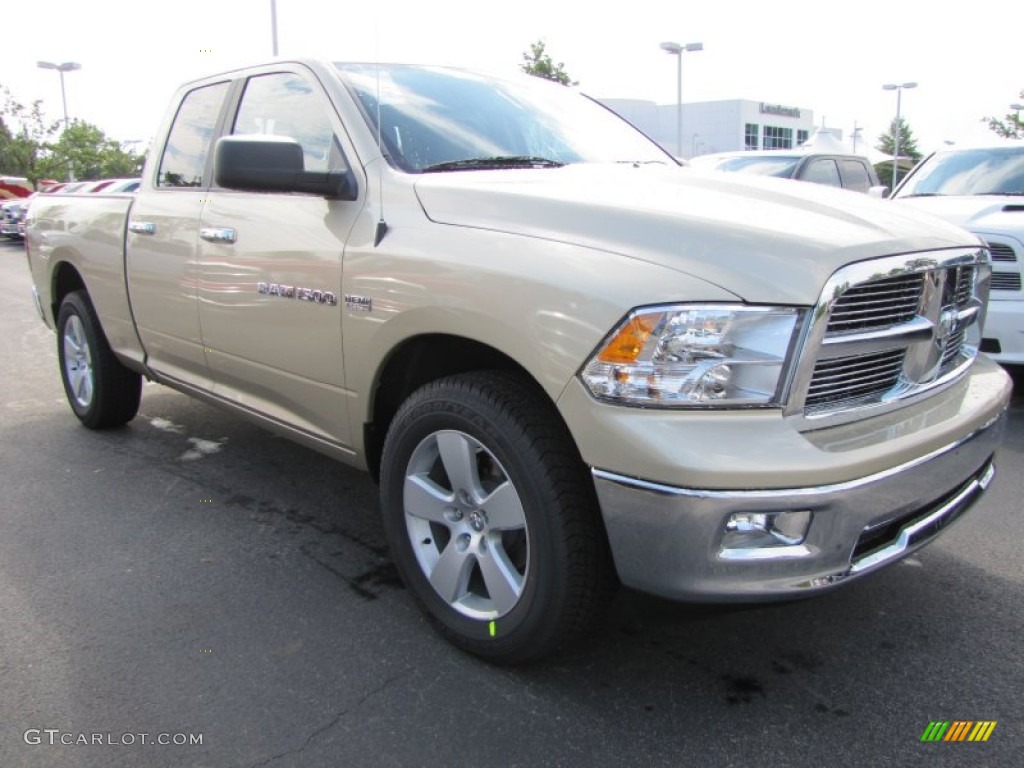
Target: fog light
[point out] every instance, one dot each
(753, 530)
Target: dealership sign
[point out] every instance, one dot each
(778, 109)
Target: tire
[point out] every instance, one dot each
(492, 518)
(101, 391)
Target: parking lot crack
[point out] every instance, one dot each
(337, 718)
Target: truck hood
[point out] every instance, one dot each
(765, 240)
(978, 213)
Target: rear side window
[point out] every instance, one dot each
(188, 144)
(283, 104)
(822, 172)
(855, 175)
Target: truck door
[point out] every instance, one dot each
(161, 244)
(270, 298)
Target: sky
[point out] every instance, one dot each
(831, 58)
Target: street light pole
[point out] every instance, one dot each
(273, 23)
(898, 87)
(677, 49)
(67, 66)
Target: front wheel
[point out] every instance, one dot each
(101, 391)
(491, 517)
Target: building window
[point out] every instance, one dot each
(801, 137)
(750, 135)
(777, 138)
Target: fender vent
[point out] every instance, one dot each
(1005, 281)
(1001, 252)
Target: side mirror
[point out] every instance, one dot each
(881, 192)
(261, 163)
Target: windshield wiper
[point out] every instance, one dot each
(923, 194)
(491, 163)
(1002, 194)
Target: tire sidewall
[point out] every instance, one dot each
(540, 597)
(74, 306)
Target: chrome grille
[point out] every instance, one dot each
(848, 379)
(959, 286)
(951, 354)
(889, 329)
(1005, 281)
(878, 304)
(1001, 252)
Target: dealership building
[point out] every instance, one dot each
(719, 126)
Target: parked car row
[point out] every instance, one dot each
(106, 186)
(12, 212)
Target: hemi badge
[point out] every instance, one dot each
(358, 303)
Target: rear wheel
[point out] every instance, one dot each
(492, 518)
(101, 391)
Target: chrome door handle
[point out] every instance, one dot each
(142, 227)
(218, 234)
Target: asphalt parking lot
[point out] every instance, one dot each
(193, 576)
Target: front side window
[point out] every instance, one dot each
(283, 104)
(435, 119)
(188, 143)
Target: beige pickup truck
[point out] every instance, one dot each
(568, 361)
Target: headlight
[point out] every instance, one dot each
(699, 355)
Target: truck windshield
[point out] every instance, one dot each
(782, 167)
(992, 171)
(434, 119)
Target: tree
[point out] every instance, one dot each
(7, 159)
(90, 154)
(538, 63)
(23, 137)
(908, 144)
(36, 148)
(908, 149)
(1010, 128)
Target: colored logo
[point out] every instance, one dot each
(958, 730)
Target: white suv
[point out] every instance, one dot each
(981, 188)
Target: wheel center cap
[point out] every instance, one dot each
(477, 520)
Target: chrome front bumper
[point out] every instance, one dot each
(670, 541)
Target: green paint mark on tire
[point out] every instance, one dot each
(492, 628)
